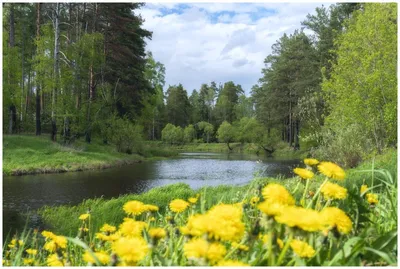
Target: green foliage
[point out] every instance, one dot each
(172, 134)
(178, 106)
(226, 133)
(362, 89)
(207, 129)
(189, 133)
(126, 136)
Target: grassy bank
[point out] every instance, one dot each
(257, 224)
(282, 151)
(24, 154)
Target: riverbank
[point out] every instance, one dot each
(26, 154)
(282, 150)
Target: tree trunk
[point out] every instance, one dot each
(11, 43)
(228, 146)
(56, 71)
(296, 135)
(38, 102)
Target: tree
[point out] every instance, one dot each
(226, 133)
(172, 134)
(227, 99)
(207, 129)
(362, 89)
(189, 133)
(178, 106)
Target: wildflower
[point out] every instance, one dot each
(193, 200)
(152, 219)
(108, 228)
(48, 234)
(132, 228)
(363, 189)
(101, 256)
(84, 216)
(130, 250)
(151, 208)
(280, 243)
(372, 198)
(232, 263)
(331, 170)
(240, 246)
(271, 209)
(12, 243)
(302, 249)
(333, 191)
(306, 219)
(311, 162)
(196, 248)
(276, 193)
(157, 233)
(104, 237)
(29, 261)
(134, 208)
(225, 222)
(216, 252)
(254, 200)
(54, 260)
(31, 251)
(333, 217)
(20, 242)
(50, 246)
(60, 241)
(178, 205)
(84, 229)
(304, 173)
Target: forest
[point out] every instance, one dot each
(76, 70)
(81, 91)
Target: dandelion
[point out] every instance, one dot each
(306, 219)
(152, 219)
(157, 233)
(193, 200)
(110, 238)
(101, 256)
(48, 234)
(271, 209)
(83, 217)
(331, 170)
(232, 263)
(151, 208)
(240, 247)
(311, 162)
(134, 208)
(54, 260)
(304, 173)
(196, 248)
(178, 205)
(83, 229)
(333, 191)
(132, 228)
(280, 243)
(302, 249)
(130, 250)
(50, 246)
(372, 198)
(276, 193)
(363, 189)
(216, 252)
(31, 251)
(333, 217)
(28, 261)
(12, 243)
(108, 228)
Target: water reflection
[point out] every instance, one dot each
(195, 169)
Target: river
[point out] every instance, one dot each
(30, 192)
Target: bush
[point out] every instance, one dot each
(126, 136)
(172, 134)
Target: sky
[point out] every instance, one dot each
(203, 42)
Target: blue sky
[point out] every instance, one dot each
(203, 42)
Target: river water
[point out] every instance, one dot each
(30, 192)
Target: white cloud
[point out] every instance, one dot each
(218, 41)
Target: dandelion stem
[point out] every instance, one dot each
(317, 194)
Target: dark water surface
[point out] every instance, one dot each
(30, 192)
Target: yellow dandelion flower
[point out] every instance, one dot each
(28, 261)
(61, 241)
(196, 248)
(48, 234)
(306, 219)
(333, 191)
(111, 237)
(130, 250)
(152, 219)
(271, 209)
(132, 228)
(280, 243)
(254, 200)
(304, 173)
(101, 256)
(178, 205)
(54, 260)
(240, 246)
(216, 252)
(333, 217)
(83, 229)
(21, 242)
(302, 249)
(50, 246)
(193, 200)
(363, 189)
(108, 228)
(157, 233)
(311, 162)
(134, 207)
(276, 193)
(232, 263)
(12, 243)
(151, 208)
(372, 198)
(84, 216)
(331, 170)
(31, 251)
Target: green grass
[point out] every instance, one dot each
(24, 154)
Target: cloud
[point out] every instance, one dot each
(203, 42)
